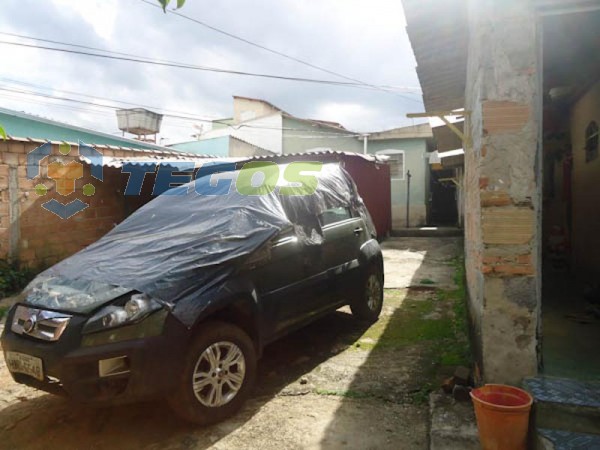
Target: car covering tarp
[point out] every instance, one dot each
(182, 245)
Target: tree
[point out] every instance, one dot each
(165, 3)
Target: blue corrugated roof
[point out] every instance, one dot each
(23, 125)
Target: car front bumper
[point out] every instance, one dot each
(151, 364)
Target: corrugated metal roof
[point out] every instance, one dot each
(24, 125)
(177, 162)
(422, 130)
(168, 152)
(367, 157)
(439, 38)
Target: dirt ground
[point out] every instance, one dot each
(334, 384)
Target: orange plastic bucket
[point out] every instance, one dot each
(502, 416)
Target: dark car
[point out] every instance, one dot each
(179, 300)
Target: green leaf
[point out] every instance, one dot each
(164, 4)
(2, 133)
(180, 3)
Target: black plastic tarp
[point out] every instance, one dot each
(182, 245)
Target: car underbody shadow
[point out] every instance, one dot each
(37, 420)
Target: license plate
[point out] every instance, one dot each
(27, 364)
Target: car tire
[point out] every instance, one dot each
(217, 376)
(367, 306)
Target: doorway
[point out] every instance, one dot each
(443, 209)
(571, 196)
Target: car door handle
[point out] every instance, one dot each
(358, 230)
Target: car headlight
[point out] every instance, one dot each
(136, 308)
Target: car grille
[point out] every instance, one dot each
(39, 324)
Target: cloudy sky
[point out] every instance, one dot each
(365, 40)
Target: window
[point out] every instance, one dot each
(334, 215)
(591, 142)
(396, 163)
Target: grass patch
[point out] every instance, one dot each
(426, 281)
(407, 325)
(3, 311)
(434, 321)
(13, 277)
(459, 353)
(421, 396)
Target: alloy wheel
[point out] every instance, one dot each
(373, 292)
(219, 374)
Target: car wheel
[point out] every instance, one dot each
(367, 306)
(217, 376)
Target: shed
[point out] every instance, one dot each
(371, 174)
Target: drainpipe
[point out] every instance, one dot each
(408, 175)
(365, 142)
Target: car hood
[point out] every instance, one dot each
(76, 296)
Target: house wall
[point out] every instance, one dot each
(238, 148)
(40, 238)
(218, 146)
(245, 109)
(503, 188)
(300, 136)
(586, 194)
(415, 151)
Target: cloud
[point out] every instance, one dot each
(100, 15)
(363, 40)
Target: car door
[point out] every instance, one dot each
(344, 232)
(286, 274)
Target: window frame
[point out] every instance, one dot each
(390, 152)
(330, 224)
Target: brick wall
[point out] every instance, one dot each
(38, 237)
(502, 189)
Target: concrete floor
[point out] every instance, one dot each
(570, 348)
(420, 261)
(336, 384)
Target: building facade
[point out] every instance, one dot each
(259, 128)
(525, 75)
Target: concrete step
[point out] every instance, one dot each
(427, 232)
(565, 404)
(548, 439)
(453, 425)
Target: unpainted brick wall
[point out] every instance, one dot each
(37, 237)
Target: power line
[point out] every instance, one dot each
(341, 132)
(87, 47)
(262, 47)
(75, 108)
(156, 108)
(145, 60)
(183, 65)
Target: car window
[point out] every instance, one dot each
(334, 215)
